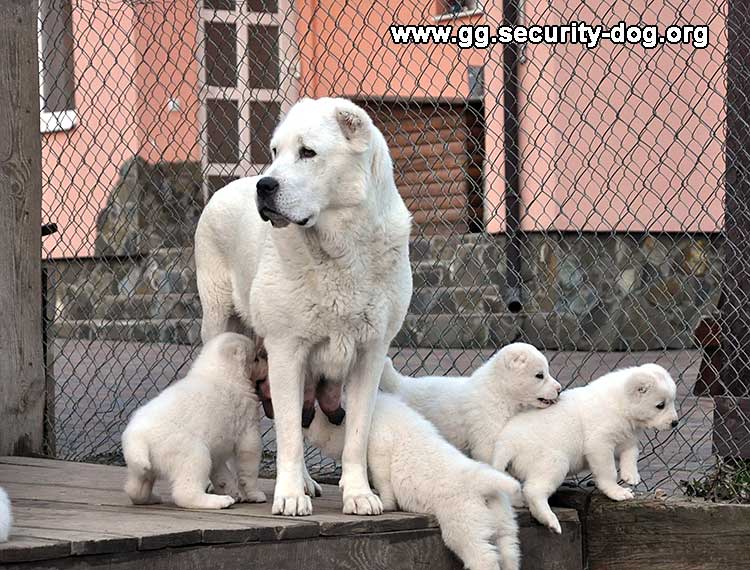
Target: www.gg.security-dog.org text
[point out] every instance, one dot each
(481, 36)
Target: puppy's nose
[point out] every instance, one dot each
(675, 423)
(267, 187)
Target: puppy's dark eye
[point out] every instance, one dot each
(660, 406)
(305, 152)
(273, 152)
(539, 375)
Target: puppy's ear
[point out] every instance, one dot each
(640, 383)
(515, 359)
(355, 125)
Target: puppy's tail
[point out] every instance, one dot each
(490, 482)
(390, 381)
(6, 516)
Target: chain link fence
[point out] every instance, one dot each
(568, 196)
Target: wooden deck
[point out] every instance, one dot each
(75, 515)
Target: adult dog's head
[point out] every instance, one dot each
(327, 156)
(652, 393)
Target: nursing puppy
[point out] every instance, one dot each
(471, 411)
(313, 257)
(416, 470)
(587, 429)
(6, 516)
(189, 432)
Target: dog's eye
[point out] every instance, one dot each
(660, 406)
(273, 152)
(305, 152)
(540, 375)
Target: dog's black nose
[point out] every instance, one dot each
(267, 187)
(674, 423)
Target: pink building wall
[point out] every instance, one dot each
(662, 172)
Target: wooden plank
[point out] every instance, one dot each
(22, 548)
(21, 362)
(81, 542)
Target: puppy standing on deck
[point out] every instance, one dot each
(587, 428)
(471, 412)
(326, 284)
(190, 431)
(415, 469)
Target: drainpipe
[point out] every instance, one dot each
(512, 161)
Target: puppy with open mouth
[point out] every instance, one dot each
(587, 429)
(470, 412)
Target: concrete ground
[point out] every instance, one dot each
(100, 383)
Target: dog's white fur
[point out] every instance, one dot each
(413, 468)
(587, 429)
(327, 292)
(471, 412)
(6, 516)
(203, 427)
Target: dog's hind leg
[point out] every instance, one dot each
(249, 450)
(537, 490)
(468, 534)
(507, 534)
(190, 479)
(139, 486)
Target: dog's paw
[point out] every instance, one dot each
(256, 496)
(292, 506)
(618, 493)
(312, 489)
(551, 522)
(363, 504)
(630, 478)
(230, 488)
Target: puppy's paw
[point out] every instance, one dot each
(363, 504)
(255, 496)
(551, 522)
(292, 506)
(630, 478)
(618, 493)
(312, 489)
(227, 487)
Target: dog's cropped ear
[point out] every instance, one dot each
(355, 125)
(640, 383)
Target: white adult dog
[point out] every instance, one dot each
(415, 469)
(587, 429)
(326, 284)
(471, 412)
(203, 427)
(6, 516)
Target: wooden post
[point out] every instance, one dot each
(21, 360)
(731, 424)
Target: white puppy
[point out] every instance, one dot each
(189, 432)
(6, 516)
(587, 429)
(413, 468)
(326, 283)
(471, 412)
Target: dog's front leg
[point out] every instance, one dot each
(629, 463)
(601, 460)
(361, 391)
(286, 374)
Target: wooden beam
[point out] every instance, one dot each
(21, 361)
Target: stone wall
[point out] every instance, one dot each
(580, 291)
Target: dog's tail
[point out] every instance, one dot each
(390, 381)
(489, 482)
(6, 516)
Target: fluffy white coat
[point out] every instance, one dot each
(470, 412)
(415, 469)
(587, 429)
(6, 516)
(203, 427)
(327, 287)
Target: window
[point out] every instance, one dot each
(56, 82)
(456, 8)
